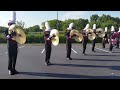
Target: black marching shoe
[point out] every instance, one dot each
(69, 58)
(93, 51)
(15, 72)
(84, 54)
(49, 63)
(11, 73)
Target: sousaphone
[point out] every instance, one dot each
(91, 34)
(20, 36)
(100, 32)
(79, 36)
(54, 40)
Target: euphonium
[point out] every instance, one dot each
(20, 36)
(55, 37)
(100, 32)
(76, 35)
(91, 34)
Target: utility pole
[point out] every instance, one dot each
(57, 20)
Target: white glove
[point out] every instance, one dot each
(8, 36)
(48, 38)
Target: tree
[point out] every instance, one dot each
(34, 28)
(94, 18)
(20, 24)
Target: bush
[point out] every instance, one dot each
(2, 39)
(38, 38)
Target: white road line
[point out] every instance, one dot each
(74, 50)
(101, 49)
(43, 50)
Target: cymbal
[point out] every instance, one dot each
(20, 37)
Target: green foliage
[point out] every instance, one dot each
(2, 39)
(34, 28)
(34, 38)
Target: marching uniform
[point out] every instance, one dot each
(69, 41)
(48, 43)
(118, 38)
(104, 40)
(94, 41)
(12, 46)
(111, 39)
(85, 39)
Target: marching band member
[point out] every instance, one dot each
(94, 41)
(69, 41)
(111, 39)
(48, 43)
(118, 37)
(12, 46)
(85, 39)
(104, 40)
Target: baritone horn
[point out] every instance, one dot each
(91, 34)
(54, 40)
(100, 32)
(76, 35)
(20, 36)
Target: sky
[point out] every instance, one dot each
(32, 18)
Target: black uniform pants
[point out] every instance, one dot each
(103, 42)
(93, 44)
(47, 52)
(117, 44)
(110, 47)
(12, 55)
(84, 47)
(68, 47)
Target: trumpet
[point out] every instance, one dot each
(19, 36)
(55, 37)
(76, 35)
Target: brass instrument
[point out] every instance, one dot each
(100, 32)
(78, 36)
(20, 36)
(54, 40)
(90, 33)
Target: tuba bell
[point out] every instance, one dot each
(79, 36)
(54, 40)
(20, 36)
(91, 34)
(100, 32)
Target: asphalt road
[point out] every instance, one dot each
(31, 63)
